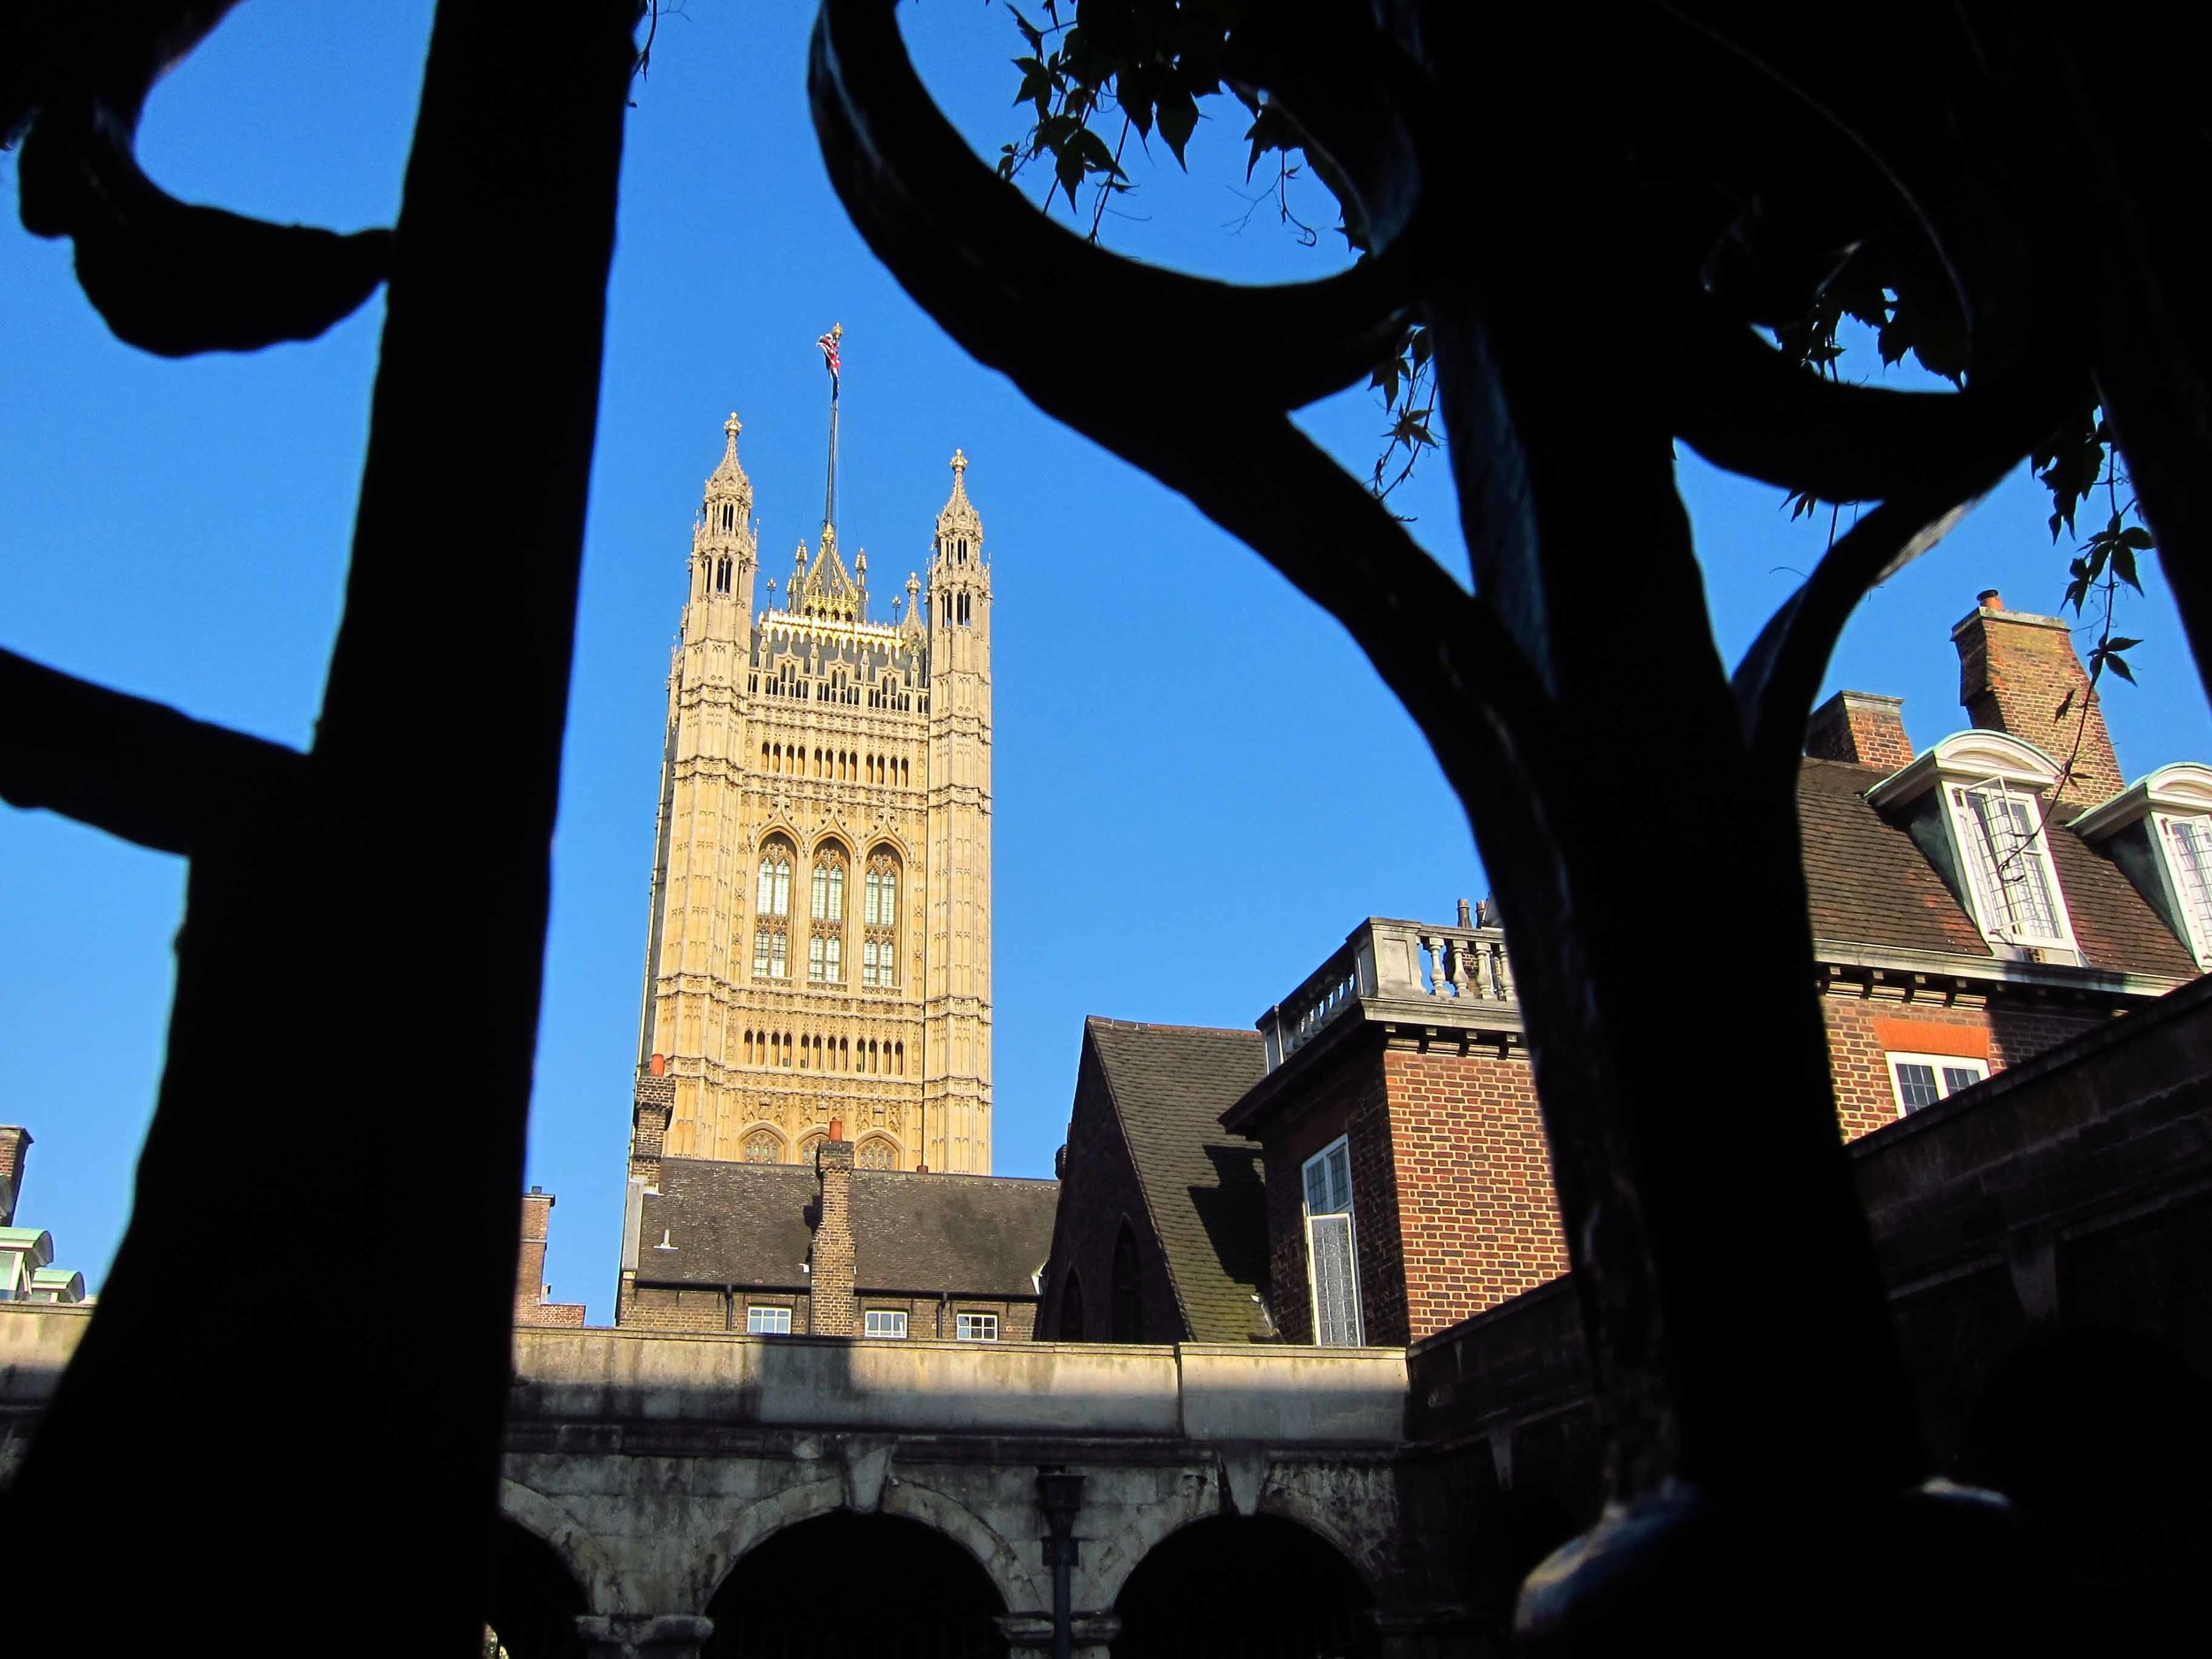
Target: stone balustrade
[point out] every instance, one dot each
(1390, 961)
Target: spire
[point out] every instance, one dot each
(959, 527)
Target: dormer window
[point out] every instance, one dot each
(2159, 831)
(2016, 895)
(1974, 804)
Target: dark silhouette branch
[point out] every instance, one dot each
(134, 768)
(969, 249)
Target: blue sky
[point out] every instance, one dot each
(1201, 786)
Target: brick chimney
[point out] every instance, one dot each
(537, 1218)
(15, 1147)
(1861, 728)
(653, 1103)
(2018, 675)
(830, 1283)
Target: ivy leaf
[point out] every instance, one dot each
(1179, 120)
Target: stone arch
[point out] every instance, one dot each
(908, 1499)
(1300, 1584)
(888, 1142)
(1153, 1523)
(552, 1525)
(759, 1127)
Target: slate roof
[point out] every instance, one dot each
(1868, 884)
(1203, 1186)
(746, 1223)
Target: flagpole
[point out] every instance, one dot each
(829, 342)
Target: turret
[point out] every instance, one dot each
(723, 552)
(960, 582)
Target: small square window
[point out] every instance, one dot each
(761, 1321)
(884, 1322)
(976, 1327)
(1921, 1079)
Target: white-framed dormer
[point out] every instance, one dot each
(2159, 831)
(1975, 805)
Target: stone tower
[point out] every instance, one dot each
(819, 943)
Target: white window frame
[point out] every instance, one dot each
(1993, 911)
(767, 1319)
(975, 1327)
(883, 1323)
(1937, 1062)
(1356, 1324)
(2196, 919)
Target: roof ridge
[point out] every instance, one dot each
(1107, 1023)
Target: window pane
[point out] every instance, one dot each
(814, 956)
(1338, 1160)
(2010, 874)
(1335, 1296)
(775, 956)
(833, 954)
(2190, 840)
(760, 955)
(821, 893)
(768, 1321)
(1958, 1077)
(1917, 1085)
(976, 1327)
(837, 893)
(886, 1322)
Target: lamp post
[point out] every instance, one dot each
(1060, 1495)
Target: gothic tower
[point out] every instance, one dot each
(819, 944)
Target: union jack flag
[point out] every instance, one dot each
(829, 342)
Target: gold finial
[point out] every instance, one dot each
(733, 426)
(837, 330)
(959, 461)
(913, 583)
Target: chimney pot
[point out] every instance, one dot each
(1466, 915)
(837, 1128)
(659, 1064)
(1989, 599)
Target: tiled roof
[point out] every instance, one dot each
(746, 1223)
(1868, 884)
(1170, 1084)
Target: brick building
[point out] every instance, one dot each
(534, 1297)
(1162, 1236)
(1972, 906)
(832, 1251)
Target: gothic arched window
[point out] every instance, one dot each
(826, 941)
(771, 912)
(1128, 1289)
(1072, 1310)
(879, 919)
(763, 1146)
(811, 1145)
(876, 1153)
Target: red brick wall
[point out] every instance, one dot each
(2018, 673)
(1345, 1099)
(1479, 1224)
(1862, 1031)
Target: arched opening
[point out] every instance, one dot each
(1128, 1289)
(531, 1602)
(1072, 1326)
(1295, 1597)
(872, 1587)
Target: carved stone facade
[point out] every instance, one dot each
(820, 935)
